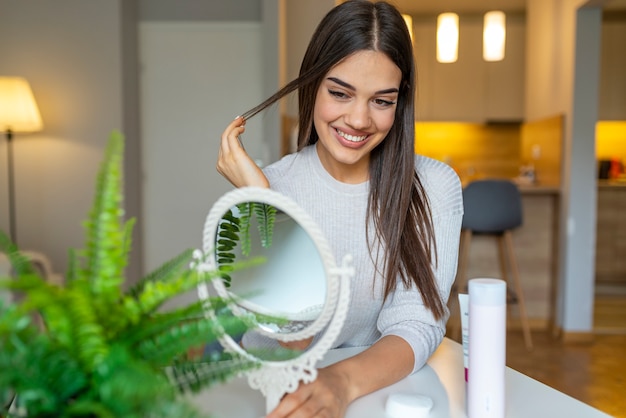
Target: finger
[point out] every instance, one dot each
(236, 128)
(236, 123)
(290, 403)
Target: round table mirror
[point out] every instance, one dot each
(296, 291)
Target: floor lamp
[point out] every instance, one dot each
(18, 113)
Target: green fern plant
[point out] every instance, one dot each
(234, 230)
(90, 348)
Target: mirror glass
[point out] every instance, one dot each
(288, 280)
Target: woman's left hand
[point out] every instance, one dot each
(327, 396)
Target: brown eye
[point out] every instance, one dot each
(337, 94)
(384, 103)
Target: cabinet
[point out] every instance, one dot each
(612, 104)
(470, 89)
(611, 235)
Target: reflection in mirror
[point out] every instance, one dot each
(290, 284)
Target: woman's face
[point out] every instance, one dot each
(354, 110)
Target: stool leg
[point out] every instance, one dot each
(502, 256)
(518, 289)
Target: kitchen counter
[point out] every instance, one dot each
(528, 189)
(611, 184)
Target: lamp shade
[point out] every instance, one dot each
(447, 37)
(18, 109)
(494, 36)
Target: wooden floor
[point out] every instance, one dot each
(594, 373)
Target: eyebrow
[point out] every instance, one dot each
(351, 87)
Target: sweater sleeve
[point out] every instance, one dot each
(404, 313)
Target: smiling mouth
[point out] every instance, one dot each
(351, 138)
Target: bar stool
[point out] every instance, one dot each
(494, 207)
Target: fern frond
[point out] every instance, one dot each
(89, 342)
(197, 375)
(174, 342)
(105, 247)
(163, 273)
(50, 302)
(157, 323)
(266, 217)
(127, 235)
(245, 217)
(20, 263)
(155, 293)
(130, 388)
(73, 266)
(44, 374)
(228, 235)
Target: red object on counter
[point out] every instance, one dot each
(616, 168)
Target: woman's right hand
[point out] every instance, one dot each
(296, 345)
(233, 161)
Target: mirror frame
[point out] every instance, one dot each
(275, 378)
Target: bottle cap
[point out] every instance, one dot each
(408, 405)
(487, 292)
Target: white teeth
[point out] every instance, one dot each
(351, 138)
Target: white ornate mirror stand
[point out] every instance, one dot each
(276, 378)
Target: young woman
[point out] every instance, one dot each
(356, 174)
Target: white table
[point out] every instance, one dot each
(441, 379)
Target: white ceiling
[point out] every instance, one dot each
(428, 7)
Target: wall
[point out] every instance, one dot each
(611, 140)
(474, 150)
(200, 10)
(542, 146)
(70, 51)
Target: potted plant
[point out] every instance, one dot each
(97, 346)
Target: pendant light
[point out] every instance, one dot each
(447, 37)
(494, 36)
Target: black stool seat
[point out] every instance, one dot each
(492, 206)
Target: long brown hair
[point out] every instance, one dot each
(398, 204)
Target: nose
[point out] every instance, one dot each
(358, 116)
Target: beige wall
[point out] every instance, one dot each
(71, 53)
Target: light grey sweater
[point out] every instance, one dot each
(339, 209)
